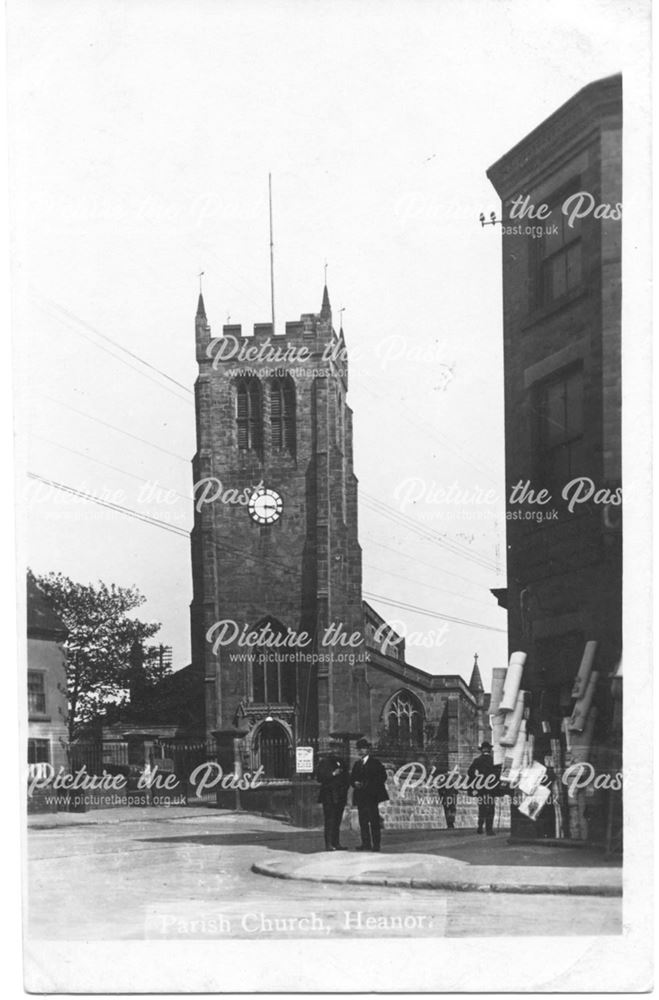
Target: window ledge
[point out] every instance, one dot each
(544, 312)
(39, 718)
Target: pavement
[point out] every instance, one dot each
(447, 860)
(101, 884)
(120, 814)
(424, 871)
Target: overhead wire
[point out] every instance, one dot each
(427, 533)
(114, 427)
(375, 504)
(430, 614)
(55, 308)
(182, 532)
(190, 499)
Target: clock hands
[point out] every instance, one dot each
(265, 506)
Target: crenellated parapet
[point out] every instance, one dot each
(309, 348)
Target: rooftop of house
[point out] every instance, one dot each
(43, 622)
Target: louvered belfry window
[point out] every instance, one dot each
(248, 414)
(282, 415)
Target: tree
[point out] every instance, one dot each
(100, 665)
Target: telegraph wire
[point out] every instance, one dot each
(428, 534)
(422, 425)
(390, 511)
(121, 360)
(420, 562)
(190, 499)
(439, 569)
(453, 549)
(104, 336)
(430, 614)
(114, 427)
(372, 502)
(428, 429)
(182, 532)
(429, 586)
(115, 468)
(118, 508)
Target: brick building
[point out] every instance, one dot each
(286, 650)
(47, 702)
(561, 326)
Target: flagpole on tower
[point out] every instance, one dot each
(272, 259)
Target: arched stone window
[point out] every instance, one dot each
(248, 414)
(274, 671)
(282, 414)
(404, 718)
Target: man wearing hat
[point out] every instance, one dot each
(484, 775)
(332, 776)
(368, 780)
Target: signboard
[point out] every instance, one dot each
(304, 760)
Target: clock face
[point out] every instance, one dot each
(265, 506)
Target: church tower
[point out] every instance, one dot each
(275, 555)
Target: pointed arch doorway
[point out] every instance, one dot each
(273, 751)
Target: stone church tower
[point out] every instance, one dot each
(274, 545)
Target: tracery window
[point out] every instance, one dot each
(404, 719)
(274, 671)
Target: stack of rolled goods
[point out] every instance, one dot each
(497, 717)
(498, 752)
(512, 762)
(507, 766)
(513, 720)
(582, 706)
(577, 815)
(578, 733)
(555, 757)
(512, 682)
(583, 674)
(559, 829)
(519, 752)
(498, 678)
(581, 743)
(554, 761)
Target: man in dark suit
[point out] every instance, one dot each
(368, 780)
(332, 774)
(484, 775)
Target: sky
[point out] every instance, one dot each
(141, 138)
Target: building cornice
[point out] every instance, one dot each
(582, 114)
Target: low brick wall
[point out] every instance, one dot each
(422, 808)
(414, 809)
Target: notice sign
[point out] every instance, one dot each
(304, 760)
